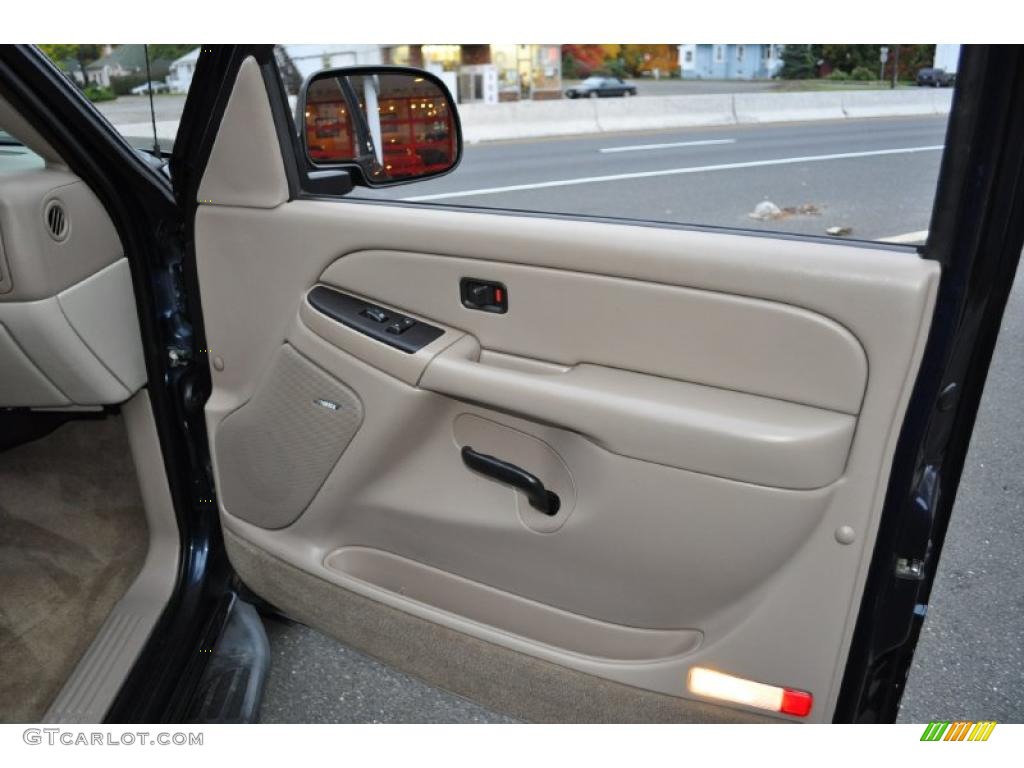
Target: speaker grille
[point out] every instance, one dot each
(275, 452)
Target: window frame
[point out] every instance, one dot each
(309, 181)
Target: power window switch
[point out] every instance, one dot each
(401, 326)
(376, 314)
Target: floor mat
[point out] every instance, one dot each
(72, 538)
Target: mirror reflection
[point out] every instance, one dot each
(395, 126)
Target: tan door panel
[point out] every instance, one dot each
(704, 429)
(644, 545)
(504, 611)
(569, 317)
(711, 410)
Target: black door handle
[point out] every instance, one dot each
(540, 498)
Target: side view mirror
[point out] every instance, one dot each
(389, 124)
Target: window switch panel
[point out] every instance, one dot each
(386, 326)
(401, 326)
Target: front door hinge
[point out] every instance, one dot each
(917, 532)
(909, 568)
(179, 356)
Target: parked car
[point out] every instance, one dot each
(597, 85)
(156, 87)
(936, 78)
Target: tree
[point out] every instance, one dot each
(913, 58)
(570, 69)
(170, 51)
(807, 61)
(587, 58)
(645, 58)
(849, 57)
(800, 62)
(81, 53)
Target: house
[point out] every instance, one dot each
(947, 57)
(119, 61)
(297, 62)
(179, 75)
(124, 61)
(73, 69)
(308, 59)
(488, 73)
(722, 61)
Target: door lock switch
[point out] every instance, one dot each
(401, 326)
(484, 295)
(376, 314)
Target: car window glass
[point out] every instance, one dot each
(15, 156)
(822, 140)
(808, 140)
(114, 77)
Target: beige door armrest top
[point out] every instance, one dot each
(402, 365)
(703, 429)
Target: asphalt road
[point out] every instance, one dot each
(135, 109)
(969, 663)
(876, 177)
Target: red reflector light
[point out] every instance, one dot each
(724, 687)
(796, 702)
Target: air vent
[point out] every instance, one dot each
(57, 222)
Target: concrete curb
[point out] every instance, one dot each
(658, 113)
(787, 107)
(568, 117)
(526, 119)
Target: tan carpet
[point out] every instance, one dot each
(72, 538)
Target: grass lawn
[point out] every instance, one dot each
(839, 85)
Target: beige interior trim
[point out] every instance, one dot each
(91, 688)
(660, 326)
(703, 429)
(703, 530)
(38, 265)
(103, 312)
(758, 570)
(81, 346)
(402, 365)
(287, 438)
(22, 383)
(508, 612)
(240, 171)
(505, 680)
(12, 122)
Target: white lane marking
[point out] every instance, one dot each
(910, 237)
(642, 147)
(670, 172)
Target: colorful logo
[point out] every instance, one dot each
(958, 731)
